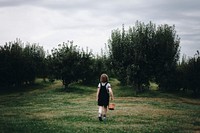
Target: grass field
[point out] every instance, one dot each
(48, 108)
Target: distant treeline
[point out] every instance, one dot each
(142, 54)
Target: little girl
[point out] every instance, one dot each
(104, 93)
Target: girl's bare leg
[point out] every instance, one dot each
(100, 113)
(100, 110)
(105, 112)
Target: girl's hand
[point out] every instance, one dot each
(112, 98)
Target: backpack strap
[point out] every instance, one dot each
(105, 86)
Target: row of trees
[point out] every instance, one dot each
(188, 74)
(143, 53)
(70, 64)
(21, 64)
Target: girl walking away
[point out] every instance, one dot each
(104, 93)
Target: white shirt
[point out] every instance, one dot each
(103, 84)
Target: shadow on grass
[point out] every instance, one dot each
(24, 88)
(76, 89)
(129, 91)
(154, 94)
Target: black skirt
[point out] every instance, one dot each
(103, 102)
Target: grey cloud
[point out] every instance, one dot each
(102, 14)
(11, 3)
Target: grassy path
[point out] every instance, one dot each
(49, 108)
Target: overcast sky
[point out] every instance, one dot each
(89, 22)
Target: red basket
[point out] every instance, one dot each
(111, 106)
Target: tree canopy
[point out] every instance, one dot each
(144, 53)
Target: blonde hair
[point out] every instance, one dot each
(104, 78)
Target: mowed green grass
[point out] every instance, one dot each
(49, 108)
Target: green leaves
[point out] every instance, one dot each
(144, 53)
(71, 64)
(20, 65)
(188, 73)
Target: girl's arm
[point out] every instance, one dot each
(97, 96)
(111, 94)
